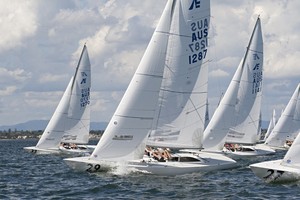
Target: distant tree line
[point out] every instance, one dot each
(26, 134)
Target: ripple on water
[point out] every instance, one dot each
(27, 176)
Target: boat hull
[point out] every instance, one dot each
(38, 151)
(275, 172)
(76, 152)
(87, 164)
(257, 150)
(210, 162)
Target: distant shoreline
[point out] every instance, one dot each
(25, 135)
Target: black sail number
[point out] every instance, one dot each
(93, 168)
(276, 173)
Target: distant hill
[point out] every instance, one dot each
(35, 125)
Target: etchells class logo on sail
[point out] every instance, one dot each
(257, 74)
(195, 4)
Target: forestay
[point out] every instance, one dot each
(237, 118)
(180, 118)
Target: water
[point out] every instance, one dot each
(27, 176)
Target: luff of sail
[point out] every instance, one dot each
(288, 125)
(124, 136)
(180, 118)
(237, 116)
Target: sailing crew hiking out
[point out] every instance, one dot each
(159, 154)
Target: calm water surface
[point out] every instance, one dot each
(27, 176)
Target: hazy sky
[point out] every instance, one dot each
(41, 40)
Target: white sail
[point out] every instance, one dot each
(71, 118)
(54, 131)
(271, 126)
(78, 120)
(288, 125)
(237, 118)
(217, 129)
(181, 115)
(124, 137)
(292, 156)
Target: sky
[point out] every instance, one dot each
(41, 41)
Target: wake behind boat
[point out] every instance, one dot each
(70, 122)
(169, 70)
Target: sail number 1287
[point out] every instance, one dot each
(197, 56)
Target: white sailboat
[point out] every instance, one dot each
(237, 118)
(288, 125)
(169, 71)
(70, 122)
(271, 126)
(283, 170)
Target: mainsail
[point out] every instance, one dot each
(237, 118)
(181, 114)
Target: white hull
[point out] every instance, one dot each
(86, 164)
(39, 151)
(250, 151)
(275, 172)
(207, 162)
(76, 152)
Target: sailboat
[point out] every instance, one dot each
(70, 123)
(288, 125)
(236, 120)
(271, 126)
(282, 170)
(177, 49)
